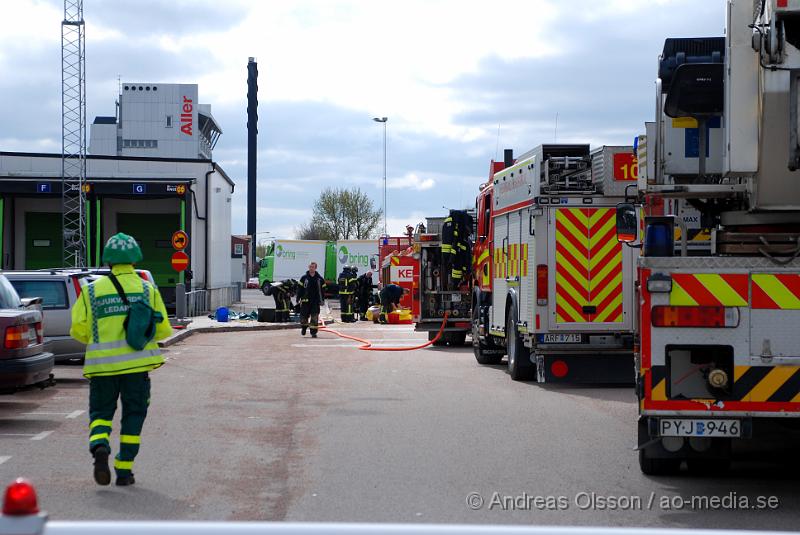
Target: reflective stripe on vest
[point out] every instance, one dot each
(116, 357)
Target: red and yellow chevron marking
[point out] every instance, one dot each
(588, 266)
(776, 291)
(523, 260)
(395, 260)
(500, 265)
(709, 289)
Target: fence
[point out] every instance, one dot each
(201, 302)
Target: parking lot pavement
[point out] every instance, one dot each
(276, 426)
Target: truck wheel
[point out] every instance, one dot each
(479, 348)
(441, 341)
(657, 467)
(520, 366)
(457, 339)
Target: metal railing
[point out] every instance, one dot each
(201, 302)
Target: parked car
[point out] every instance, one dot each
(23, 359)
(59, 289)
(252, 283)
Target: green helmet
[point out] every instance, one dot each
(121, 249)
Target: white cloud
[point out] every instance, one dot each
(410, 181)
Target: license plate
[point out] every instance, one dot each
(455, 298)
(559, 339)
(679, 427)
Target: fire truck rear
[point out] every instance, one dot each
(438, 293)
(553, 289)
(718, 329)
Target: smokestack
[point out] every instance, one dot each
(252, 153)
(508, 157)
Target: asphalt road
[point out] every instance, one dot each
(273, 426)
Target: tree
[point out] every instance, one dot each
(342, 214)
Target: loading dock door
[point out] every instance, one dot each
(154, 234)
(43, 241)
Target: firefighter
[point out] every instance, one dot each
(449, 239)
(390, 300)
(364, 292)
(281, 292)
(311, 292)
(103, 319)
(346, 283)
(456, 248)
(352, 288)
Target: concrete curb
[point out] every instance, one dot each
(183, 335)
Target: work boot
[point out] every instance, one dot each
(303, 330)
(124, 481)
(313, 335)
(102, 474)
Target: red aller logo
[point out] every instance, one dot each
(186, 116)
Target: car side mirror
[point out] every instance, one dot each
(31, 303)
(627, 224)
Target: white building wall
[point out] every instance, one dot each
(220, 233)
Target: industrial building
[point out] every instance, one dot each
(149, 172)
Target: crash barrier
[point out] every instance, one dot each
(201, 302)
(368, 345)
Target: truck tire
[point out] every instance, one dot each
(657, 467)
(457, 339)
(441, 341)
(478, 347)
(520, 367)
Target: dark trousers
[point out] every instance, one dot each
(346, 302)
(309, 312)
(134, 389)
(282, 303)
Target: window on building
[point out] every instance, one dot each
(238, 248)
(126, 143)
(169, 121)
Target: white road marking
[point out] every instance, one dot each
(74, 414)
(41, 436)
(4, 458)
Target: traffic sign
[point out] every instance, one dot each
(179, 261)
(180, 240)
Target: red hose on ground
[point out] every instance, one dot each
(368, 345)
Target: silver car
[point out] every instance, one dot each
(59, 290)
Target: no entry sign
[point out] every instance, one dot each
(179, 261)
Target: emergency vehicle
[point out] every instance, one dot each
(435, 298)
(402, 268)
(718, 359)
(553, 288)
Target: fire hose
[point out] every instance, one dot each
(368, 345)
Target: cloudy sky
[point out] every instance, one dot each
(459, 81)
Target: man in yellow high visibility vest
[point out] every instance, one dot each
(113, 367)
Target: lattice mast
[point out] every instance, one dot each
(73, 134)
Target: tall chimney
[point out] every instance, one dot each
(508, 157)
(252, 155)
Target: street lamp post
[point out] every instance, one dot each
(383, 120)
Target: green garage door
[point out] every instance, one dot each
(154, 234)
(43, 247)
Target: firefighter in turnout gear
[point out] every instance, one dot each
(282, 292)
(347, 289)
(456, 249)
(311, 292)
(363, 294)
(390, 300)
(103, 318)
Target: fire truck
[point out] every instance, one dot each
(553, 289)
(434, 296)
(718, 359)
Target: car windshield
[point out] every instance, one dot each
(8, 295)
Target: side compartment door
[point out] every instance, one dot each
(499, 273)
(527, 270)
